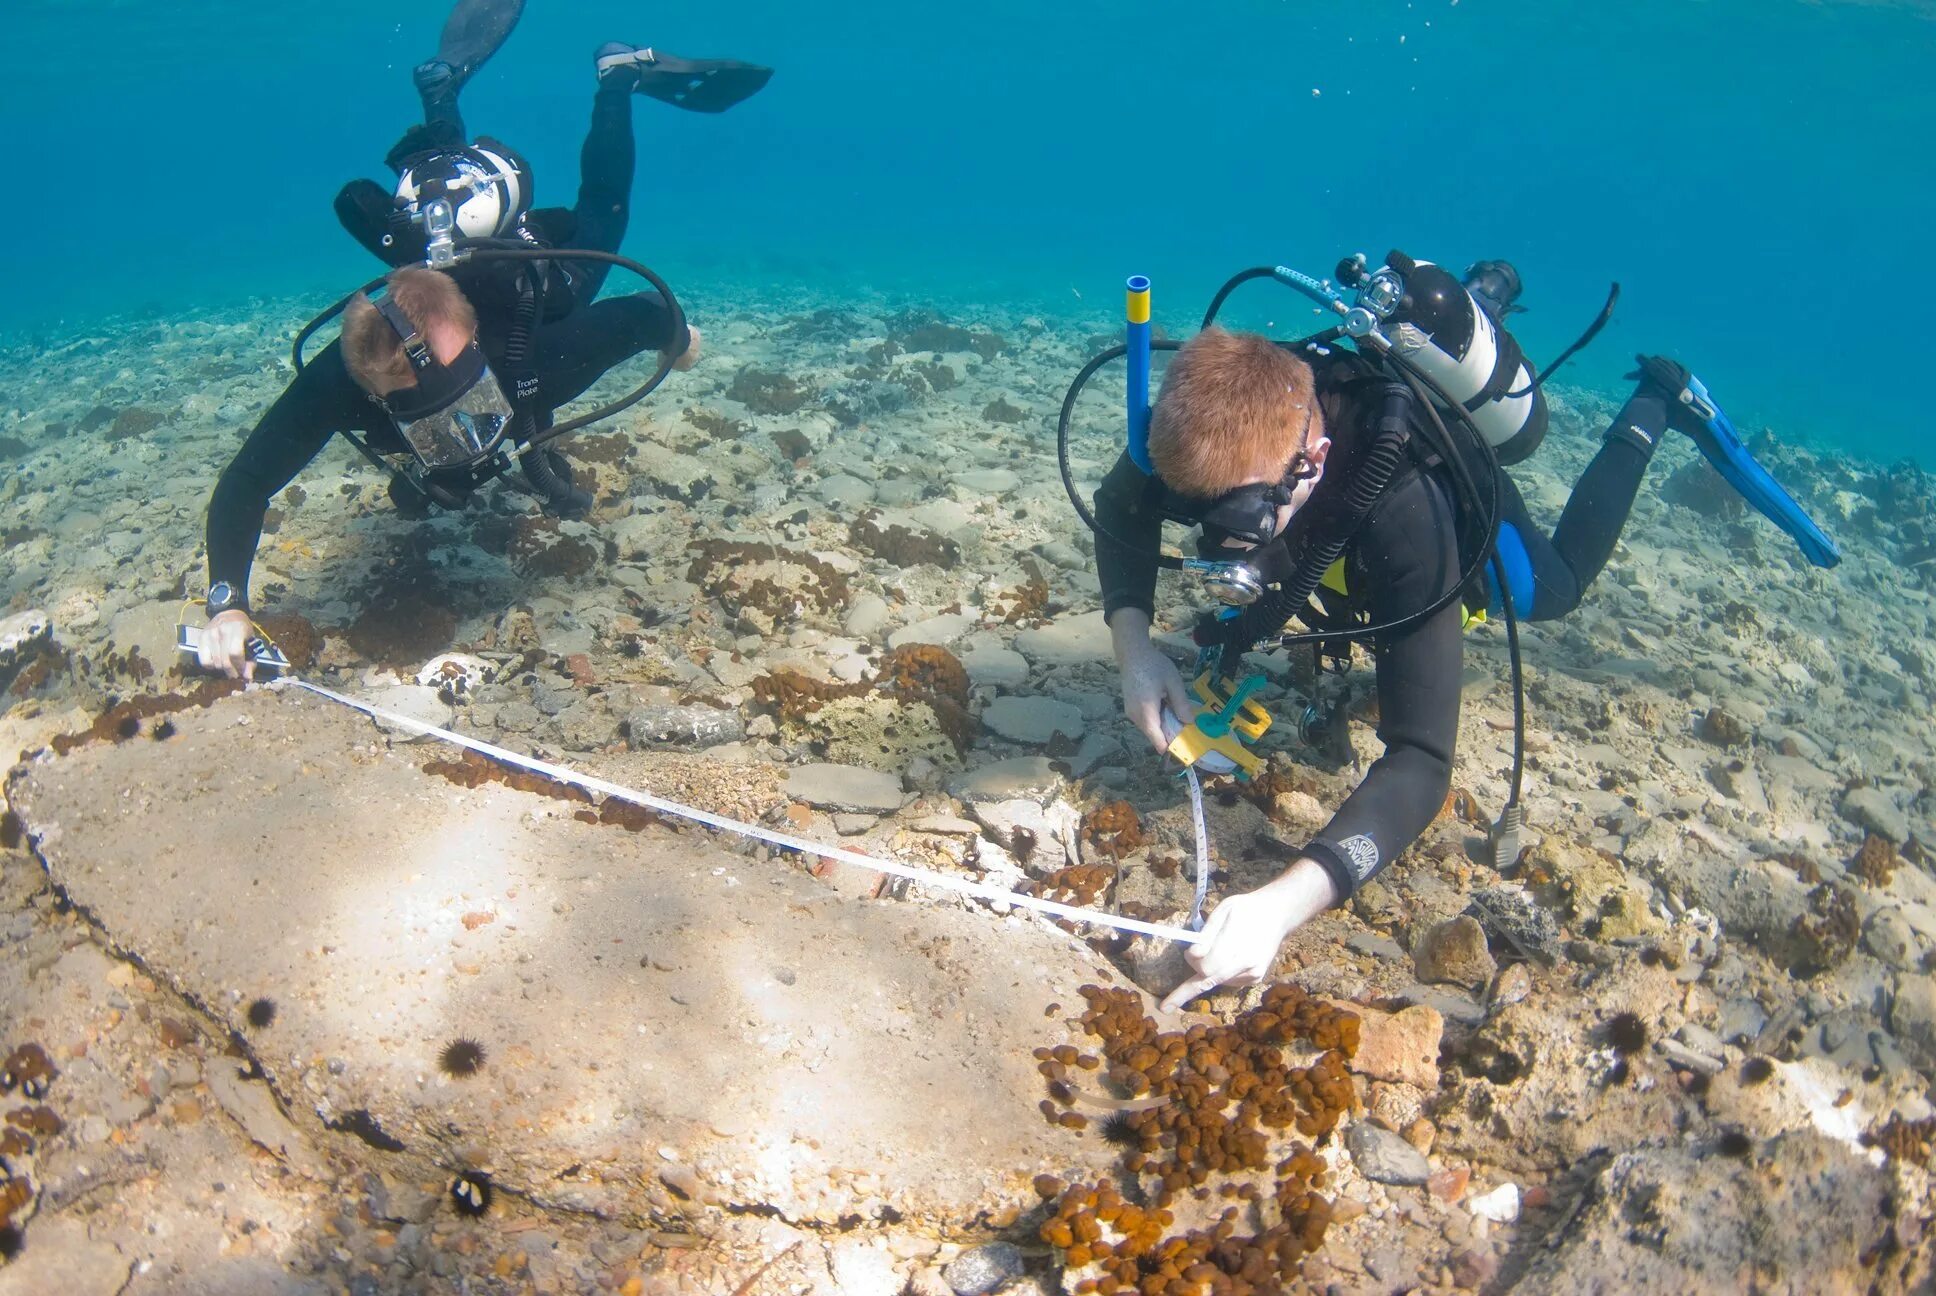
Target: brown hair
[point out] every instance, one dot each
(1231, 411)
(371, 348)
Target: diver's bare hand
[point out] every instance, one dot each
(1240, 940)
(690, 356)
(225, 645)
(1151, 681)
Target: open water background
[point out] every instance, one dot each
(1756, 173)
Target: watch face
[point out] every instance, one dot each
(221, 595)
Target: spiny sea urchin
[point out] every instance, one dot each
(262, 1012)
(461, 1057)
(470, 1193)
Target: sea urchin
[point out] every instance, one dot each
(461, 1057)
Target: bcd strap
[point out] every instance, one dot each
(1505, 367)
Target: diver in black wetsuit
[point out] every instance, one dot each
(567, 341)
(1262, 443)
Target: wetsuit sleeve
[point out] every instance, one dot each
(321, 401)
(1411, 558)
(1126, 513)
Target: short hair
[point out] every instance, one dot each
(1230, 412)
(373, 352)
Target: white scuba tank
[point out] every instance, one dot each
(1444, 332)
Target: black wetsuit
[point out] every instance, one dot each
(1405, 557)
(579, 340)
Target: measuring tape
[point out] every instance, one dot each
(926, 877)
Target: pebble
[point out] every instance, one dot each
(1890, 938)
(1384, 1157)
(1501, 1205)
(989, 665)
(1742, 1019)
(1454, 951)
(981, 1270)
(865, 616)
(1511, 986)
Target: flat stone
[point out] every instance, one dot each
(1742, 1019)
(1871, 808)
(1024, 777)
(1032, 719)
(1068, 641)
(626, 991)
(1040, 837)
(852, 825)
(844, 492)
(946, 826)
(940, 631)
(865, 616)
(1913, 1019)
(990, 665)
(852, 788)
(988, 481)
(1401, 1046)
(1384, 1157)
(1375, 945)
(1455, 952)
(22, 635)
(1515, 919)
(1449, 1004)
(411, 701)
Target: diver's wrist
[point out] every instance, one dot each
(1305, 890)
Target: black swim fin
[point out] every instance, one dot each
(702, 85)
(475, 30)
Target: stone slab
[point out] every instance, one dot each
(646, 1000)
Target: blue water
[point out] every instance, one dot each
(1756, 173)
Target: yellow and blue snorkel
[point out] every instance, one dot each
(1136, 315)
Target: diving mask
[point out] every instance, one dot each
(456, 414)
(1238, 558)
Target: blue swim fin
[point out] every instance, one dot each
(1724, 449)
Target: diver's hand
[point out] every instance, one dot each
(225, 645)
(1668, 376)
(686, 359)
(1240, 940)
(1151, 681)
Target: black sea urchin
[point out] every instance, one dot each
(461, 1057)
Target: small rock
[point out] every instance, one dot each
(980, 1270)
(456, 676)
(844, 787)
(1867, 807)
(865, 617)
(1473, 1269)
(1401, 1046)
(940, 630)
(1375, 945)
(1913, 1019)
(682, 727)
(1511, 916)
(1449, 1185)
(1890, 938)
(990, 665)
(1454, 951)
(1032, 719)
(1742, 1019)
(852, 825)
(1386, 1158)
(1501, 1205)
(1394, 1105)
(1718, 727)
(1511, 986)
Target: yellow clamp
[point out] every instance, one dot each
(1228, 720)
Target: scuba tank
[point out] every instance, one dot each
(1443, 330)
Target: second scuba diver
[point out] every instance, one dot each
(452, 370)
(1269, 447)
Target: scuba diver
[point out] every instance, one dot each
(489, 322)
(1319, 471)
